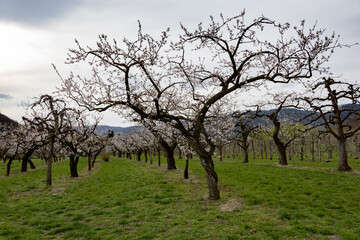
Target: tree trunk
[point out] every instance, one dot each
(211, 177)
(26, 159)
(180, 153)
(282, 155)
(48, 171)
(89, 159)
(253, 148)
(151, 156)
(356, 154)
(73, 166)
(32, 166)
(139, 155)
(343, 162)
(220, 152)
(170, 158)
(319, 149)
(302, 149)
(280, 146)
(146, 155)
(24, 164)
(290, 156)
(8, 166)
(327, 152)
(159, 157)
(245, 148)
(186, 170)
(312, 149)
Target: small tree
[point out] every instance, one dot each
(337, 112)
(77, 131)
(285, 128)
(47, 115)
(244, 127)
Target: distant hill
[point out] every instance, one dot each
(104, 129)
(7, 120)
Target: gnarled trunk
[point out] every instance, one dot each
(343, 162)
(281, 150)
(211, 177)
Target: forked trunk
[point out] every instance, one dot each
(211, 177)
(343, 162)
(26, 159)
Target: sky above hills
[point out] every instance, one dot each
(37, 33)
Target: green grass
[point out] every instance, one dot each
(125, 199)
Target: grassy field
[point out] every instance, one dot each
(125, 199)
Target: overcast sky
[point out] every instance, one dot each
(36, 33)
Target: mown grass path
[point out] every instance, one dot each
(125, 199)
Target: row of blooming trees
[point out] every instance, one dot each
(51, 129)
(178, 82)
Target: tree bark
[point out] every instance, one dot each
(319, 149)
(302, 149)
(282, 154)
(280, 146)
(73, 166)
(220, 152)
(139, 155)
(170, 159)
(343, 161)
(245, 148)
(89, 159)
(186, 170)
(211, 177)
(313, 149)
(32, 166)
(8, 166)
(48, 171)
(146, 155)
(253, 148)
(159, 157)
(26, 159)
(169, 153)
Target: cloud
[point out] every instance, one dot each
(34, 12)
(5, 96)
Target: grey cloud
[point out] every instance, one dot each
(36, 12)
(5, 96)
